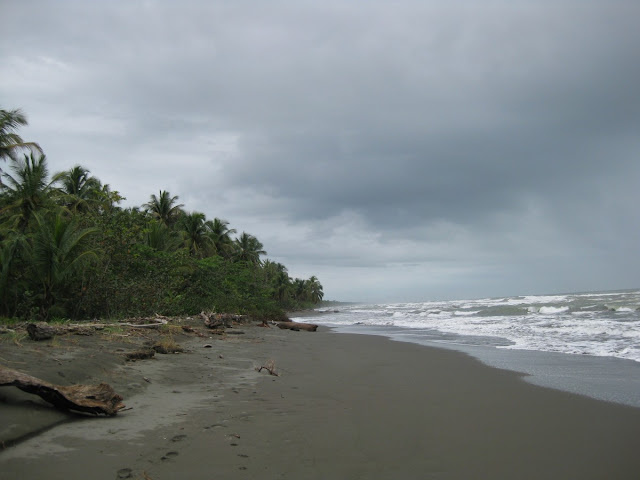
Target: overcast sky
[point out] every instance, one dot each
(400, 151)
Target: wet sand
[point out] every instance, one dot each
(343, 406)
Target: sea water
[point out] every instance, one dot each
(586, 343)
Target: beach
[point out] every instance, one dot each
(341, 406)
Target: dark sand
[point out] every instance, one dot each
(343, 407)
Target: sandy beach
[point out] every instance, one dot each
(342, 406)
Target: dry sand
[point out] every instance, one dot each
(343, 407)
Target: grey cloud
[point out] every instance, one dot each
(497, 119)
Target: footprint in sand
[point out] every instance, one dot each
(169, 455)
(125, 473)
(178, 438)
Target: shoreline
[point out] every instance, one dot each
(609, 379)
(343, 406)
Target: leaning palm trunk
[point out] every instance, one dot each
(96, 399)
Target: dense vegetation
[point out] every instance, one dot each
(68, 250)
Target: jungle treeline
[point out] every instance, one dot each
(68, 250)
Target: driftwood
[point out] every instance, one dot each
(215, 321)
(296, 326)
(44, 331)
(96, 399)
(270, 367)
(188, 329)
(155, 323)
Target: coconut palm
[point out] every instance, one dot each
(10, 141)
(195, 233)
(164, 207)
(79, 188)
(300, 290)
(59, 250)
(277, 278)
(282, 285)
(315, 289)
(27, 190)
(247, 248)
(220, 234)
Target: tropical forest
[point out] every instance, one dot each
(69, 250)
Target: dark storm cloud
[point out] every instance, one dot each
(472, 140)
(485, 135)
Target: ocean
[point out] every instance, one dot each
(585, 343)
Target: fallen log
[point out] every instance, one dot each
(95, 399)
(296, 326)
(44, 331)
(155, 323)
(220, 320)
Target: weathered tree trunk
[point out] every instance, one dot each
(96, 399)
(220, 320)
(309, 327)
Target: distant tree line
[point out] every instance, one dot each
(68, 250)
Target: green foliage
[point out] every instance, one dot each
(10, 141)
(164, 208)
(194, 231)
(68, 251)
(26, 190)
(58, 252)
(78, 189)
(248, 249)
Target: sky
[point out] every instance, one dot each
(398, 150)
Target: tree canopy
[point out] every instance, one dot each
(69, 250)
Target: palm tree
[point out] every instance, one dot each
(80, 188)
(164, 207)
(300, 290)
(220, 234)
(315, 289)
(27, 190)
(277, 278)
(58, 252)
(159, 237)
(248, 249)
(282, 285)
(194, 230)
(11, 142)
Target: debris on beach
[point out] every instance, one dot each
(44, 331)
(269, 366)
(297, 326)
(95, 399)
(215, 321)
(142, 354)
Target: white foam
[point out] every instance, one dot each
(553, 310)
(554, 323)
